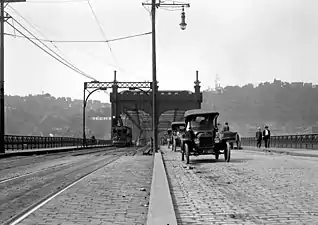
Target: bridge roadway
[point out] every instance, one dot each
(254, 188)
(116, 188)
(121, 188)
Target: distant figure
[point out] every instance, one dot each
(259, 136)
(238, 140)
(169, 138)
(226, 127)
(93, 140)
(266, 136)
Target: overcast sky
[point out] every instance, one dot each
(243, 41)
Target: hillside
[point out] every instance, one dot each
(285, 107)
(45, 114)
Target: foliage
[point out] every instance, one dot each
(287, 108)
(45, 114)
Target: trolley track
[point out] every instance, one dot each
(26, 160)
(23, 194)
(7, 174)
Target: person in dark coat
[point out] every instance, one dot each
(259, 136)
(226, 127)
(266, 136)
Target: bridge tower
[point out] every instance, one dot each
(171, 104)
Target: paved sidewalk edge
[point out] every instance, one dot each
(281, 151)
(46, 151)
(161, 210)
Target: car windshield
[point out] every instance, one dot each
(202, 123)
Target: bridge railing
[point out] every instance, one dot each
(306, 141)
(17, 142)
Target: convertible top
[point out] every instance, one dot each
(193, 112)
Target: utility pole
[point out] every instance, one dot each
(154, 78)
(2, 106)
(183, 25)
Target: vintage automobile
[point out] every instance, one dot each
(122, 136)
(202, 136)
(178, 129)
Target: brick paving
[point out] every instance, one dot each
(254, 188)
(116, 194)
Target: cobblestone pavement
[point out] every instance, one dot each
(116, 194)
(254, 188)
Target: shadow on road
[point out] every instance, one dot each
(194, 161)
(240, 160)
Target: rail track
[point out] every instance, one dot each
(16, 169)
(27, 193)
(20, 164)
(21, 159)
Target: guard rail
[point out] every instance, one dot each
(16, 142)
(307, 141)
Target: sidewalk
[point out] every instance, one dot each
(40, 151)
(288, 151)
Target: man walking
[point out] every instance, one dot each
(259, 137)
(266, 136)
(226, 127)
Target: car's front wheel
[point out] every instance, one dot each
(187, 152)
(227, 152)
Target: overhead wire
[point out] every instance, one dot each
(104, 35)
(47, 40)
(57, 57)
(37, 30)
(102, 31)
(52, 41)
(62, 1)
(82, 41)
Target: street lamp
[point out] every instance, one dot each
(85, 99)
(183, 25)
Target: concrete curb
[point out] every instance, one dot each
(282, 151)
(161, 210)
(46, 151)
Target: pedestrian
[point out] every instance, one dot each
(169, 139)
(259, 137)
(226, 127)
(266, 136)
